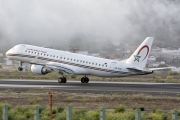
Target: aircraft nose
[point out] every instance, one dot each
(7, 53)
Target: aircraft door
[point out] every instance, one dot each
(21, 49)
(37, 56)
(112, 65)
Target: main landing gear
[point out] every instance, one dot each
(62, 80)
(84, 79)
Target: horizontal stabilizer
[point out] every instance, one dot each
(156, 69)
(139, 70)
(134, 69)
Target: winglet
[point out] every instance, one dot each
(140, 56)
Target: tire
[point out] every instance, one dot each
(82, 80)
(60, 80)
(86, 80)
(20, 68)
(64, 80)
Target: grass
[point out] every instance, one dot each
(59, 113)
(120, 109)
(110, 101)
(33, 101)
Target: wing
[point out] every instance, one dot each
(69, 69)
(62, 67)
(58, 66)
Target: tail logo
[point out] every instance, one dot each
(137, 57)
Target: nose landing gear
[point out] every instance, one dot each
(20, 68)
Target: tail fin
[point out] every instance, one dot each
(140, 56)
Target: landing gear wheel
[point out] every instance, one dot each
(59, 80)
(62, 80)
(84, 80)
(20, 68)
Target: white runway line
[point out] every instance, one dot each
(32, 86)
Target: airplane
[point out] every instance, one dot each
(45, 60)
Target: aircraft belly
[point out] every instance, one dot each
(80, 71)
(109, 73)
(102, 73)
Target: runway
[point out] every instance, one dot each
(92, 86)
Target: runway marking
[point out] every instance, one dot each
(32, 86)
(75, 81)
(94, 89)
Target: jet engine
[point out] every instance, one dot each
(39, 69)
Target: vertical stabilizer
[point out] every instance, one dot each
(140, 56)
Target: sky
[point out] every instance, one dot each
(90, 24)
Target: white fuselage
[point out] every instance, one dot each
(71, 62)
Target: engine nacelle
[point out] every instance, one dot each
(39, 69)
